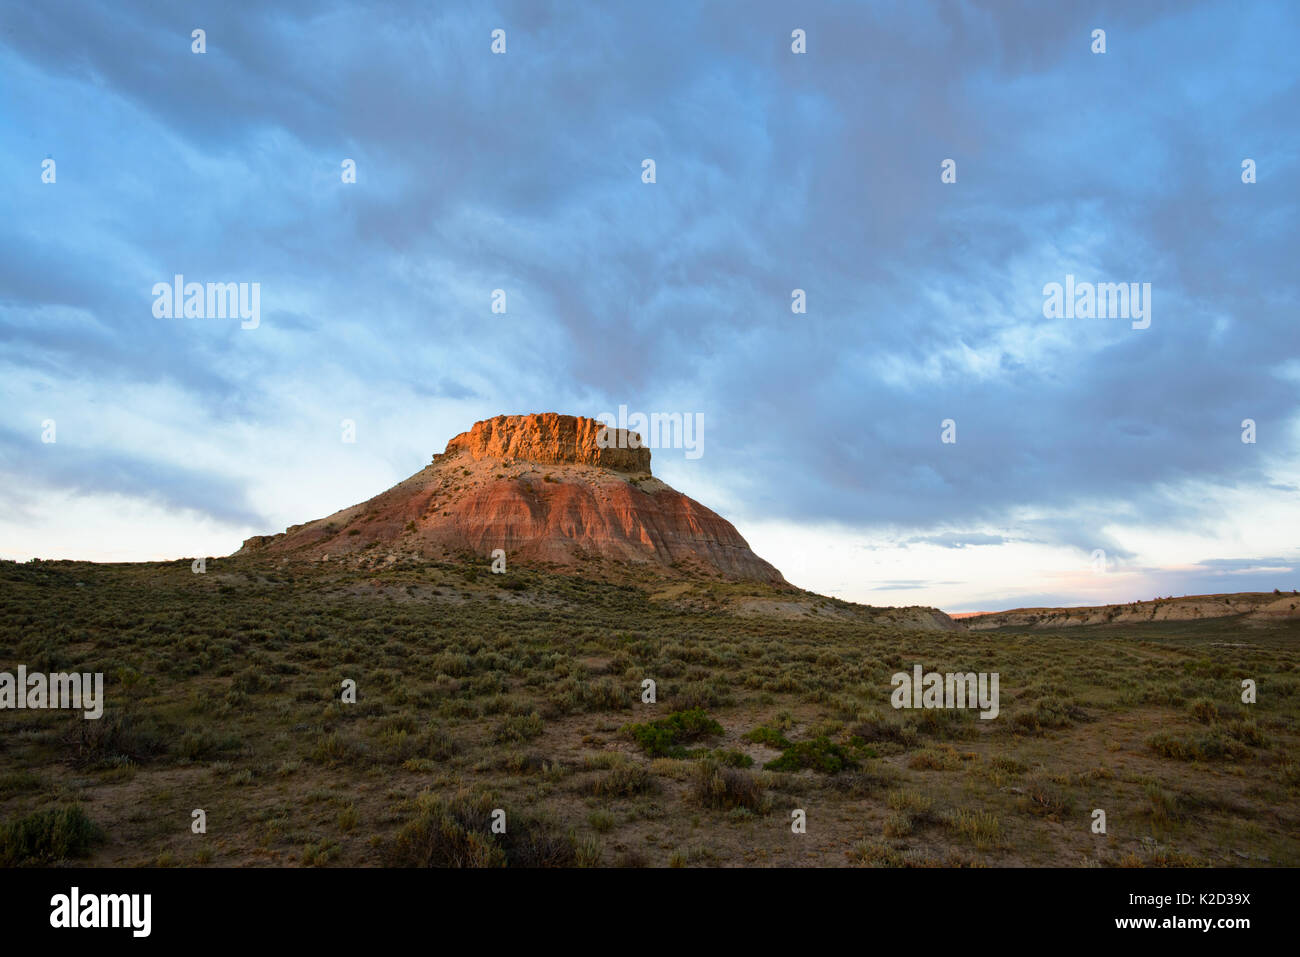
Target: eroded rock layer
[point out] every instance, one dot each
(544, 488)
(550, 438)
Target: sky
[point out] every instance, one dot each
(1087, 461)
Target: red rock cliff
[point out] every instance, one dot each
(542, 488)
(551, 438)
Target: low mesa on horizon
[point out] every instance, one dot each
(562, 490)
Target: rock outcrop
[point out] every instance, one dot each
(1246, 606)
(554, 439)
(546, 488)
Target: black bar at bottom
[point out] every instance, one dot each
(332, 906)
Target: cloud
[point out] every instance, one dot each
(956, 539)
(64, 468)
(775, 172)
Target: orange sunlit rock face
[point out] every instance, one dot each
(543, 488)
(548, 437)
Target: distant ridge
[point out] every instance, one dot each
(1254, 606)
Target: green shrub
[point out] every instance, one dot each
(911, 801)
(197, 745)
(943, 758)
(909, 808)
(573, 695)
(522, 727)
(663, 738)
(876, 729)
(768, 736)
(1205, 711)
(821, 754)
(113, 737)
(334, 749)
(320, 854)
(457, 833)
(1247, 732)
(981, 827)
(732, 759)
(47, 837)
(624, 780)
(399, 745)
(1044, 797)
(1047, 714)
(898, 824)
(722, 788)
(1008, 765)
(943, 722)
(1212, 745)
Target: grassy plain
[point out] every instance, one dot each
(522, 692)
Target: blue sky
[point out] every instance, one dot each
(774, 171)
